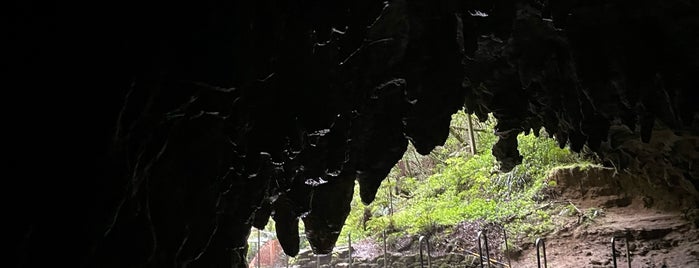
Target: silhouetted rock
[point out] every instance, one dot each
(199, 121)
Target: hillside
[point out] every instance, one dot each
(589, 205)
(660, 220)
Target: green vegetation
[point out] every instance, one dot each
(450, 185)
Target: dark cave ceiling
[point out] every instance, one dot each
(205, 119)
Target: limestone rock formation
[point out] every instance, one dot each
(191, 123)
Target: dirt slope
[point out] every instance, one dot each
(660, 219)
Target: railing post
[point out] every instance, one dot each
(390, 197)
(613, 251)
(540, 243)
(385, 249)
(258, 248)
(429, 250)
(480, 249)
(482, 237)
(419, 245)
(507, 247)
(429, 261)
(628, 255)
(349, 240)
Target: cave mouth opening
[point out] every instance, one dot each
(449, 186)
(450, 194)
(185, 125)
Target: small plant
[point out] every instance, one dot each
(590, 215)
(593, 213)
(569, 211)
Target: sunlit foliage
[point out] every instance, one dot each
(450, 185)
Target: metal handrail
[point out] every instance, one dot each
(483, 237)
(507, 247)
(349, 241)
(385, 250)
(628, 256)
(258, 248)
(429, 261)
(540, 243)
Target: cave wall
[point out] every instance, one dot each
(152, 135)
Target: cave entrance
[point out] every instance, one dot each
(450, 195)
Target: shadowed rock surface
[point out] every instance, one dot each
(182, 126)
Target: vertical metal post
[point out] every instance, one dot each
(487, 249)
(317, 261)
(259, 245)
(349, 240)
(507, 247)
(628, 255)
(422, 264)
(390, 197)
(429, 259)
(287, 261)
(385, 249)
(429, 256)
(613, 251)
(540, 243)
(480, 250)
(482, 237)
